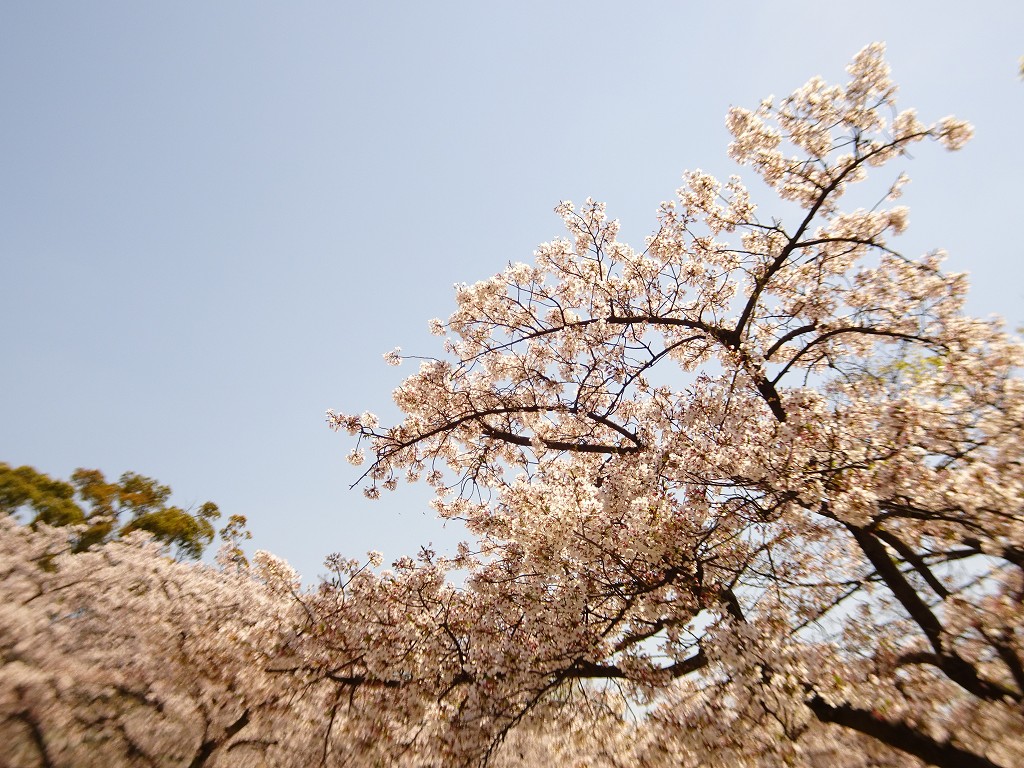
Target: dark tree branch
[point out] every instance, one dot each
(899, 736)
(956, 668)
(914, 559)
(559, 445)
(209, 746)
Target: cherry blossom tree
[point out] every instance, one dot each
(121, 656)
(748, 495)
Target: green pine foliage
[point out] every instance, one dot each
(102, 510)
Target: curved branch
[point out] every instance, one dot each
(794, 242)
(900, 736)
(864, 329)
(956, 668)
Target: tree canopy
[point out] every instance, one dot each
(763, 477)
(105, 510)
(748, 495)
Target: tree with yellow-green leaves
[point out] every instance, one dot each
(107, 510)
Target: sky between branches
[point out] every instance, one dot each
(215, 218)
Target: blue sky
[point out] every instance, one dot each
(216, 217)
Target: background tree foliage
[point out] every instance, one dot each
(107, 510)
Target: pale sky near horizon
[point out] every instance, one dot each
(216, 217)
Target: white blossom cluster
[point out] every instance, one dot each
(763, 478)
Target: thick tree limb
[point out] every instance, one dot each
(898, 736)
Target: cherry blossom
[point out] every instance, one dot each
(747, 496)
(760, 480)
